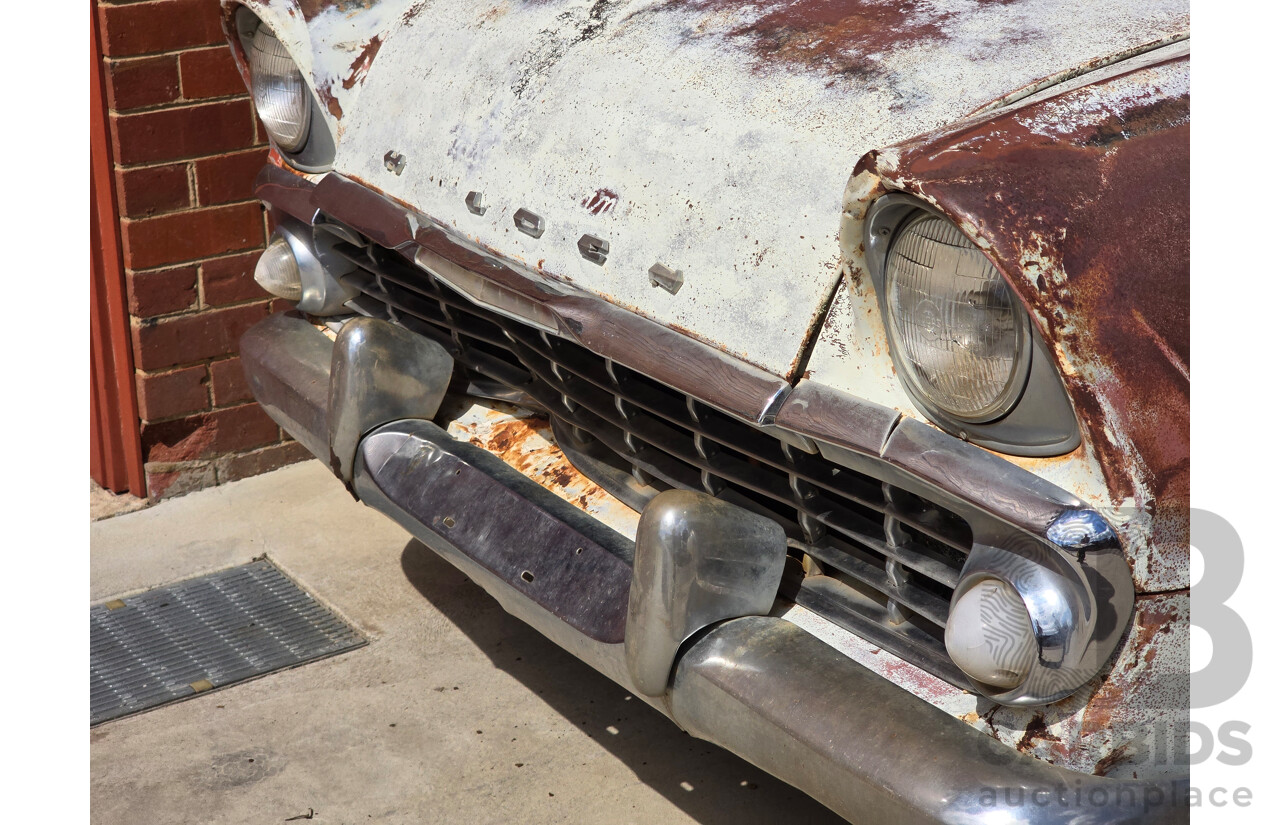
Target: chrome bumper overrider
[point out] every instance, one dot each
(757, 685)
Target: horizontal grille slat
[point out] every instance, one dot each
(922, 602)
(893, 557)
(910, 554)
(823, 478)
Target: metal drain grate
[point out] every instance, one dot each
(172, 642)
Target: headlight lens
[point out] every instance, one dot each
(958, 332)
(281, 98)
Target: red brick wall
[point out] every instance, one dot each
(187, 147)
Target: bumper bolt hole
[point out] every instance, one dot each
(527, 576)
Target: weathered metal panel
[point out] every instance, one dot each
(523, 439)
(1082, 197)
(712, 137)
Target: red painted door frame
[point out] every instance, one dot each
(115, 453)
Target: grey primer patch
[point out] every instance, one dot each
(173, 642)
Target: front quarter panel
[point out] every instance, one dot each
(1080, 196)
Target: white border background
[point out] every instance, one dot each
(1234, 348)
(44, 414)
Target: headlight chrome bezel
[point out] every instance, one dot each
(1034, 417)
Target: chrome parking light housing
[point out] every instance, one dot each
(1077, 593)
(321, 291)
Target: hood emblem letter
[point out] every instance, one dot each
(529, 223)
(394, 161)
(669, 280)
(593, 249)
(476, 204)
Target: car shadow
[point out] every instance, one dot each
(705, 781)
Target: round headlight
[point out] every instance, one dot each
(280, 96)
(956, 330)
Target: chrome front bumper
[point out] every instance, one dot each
(757, 685)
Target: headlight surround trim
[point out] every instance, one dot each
(316, 151)
(908, 362)
(1038, 419)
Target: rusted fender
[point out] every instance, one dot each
(1081, 196)
(712, 137)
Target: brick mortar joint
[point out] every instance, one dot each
(215, 359)
(190, 104)
(124, 221)
(176, 466)
(158, 164)
(122, 167)
(143, 321)
(111, 62)
(178, 52)
(192, 263)
(181, 103)
(181, 209)
(198, 413)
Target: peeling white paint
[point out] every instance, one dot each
(724, 166)
(852, 353)
(1064, 114)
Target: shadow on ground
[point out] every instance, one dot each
(702, 779)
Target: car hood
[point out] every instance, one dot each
(714, 138)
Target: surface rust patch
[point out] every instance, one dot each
(601, 201)
(325, 92)
(525, 441)
(1083, 201)
(840, 36)
(360, 66)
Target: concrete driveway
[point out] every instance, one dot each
(454, 713)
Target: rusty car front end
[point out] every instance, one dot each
(645, 315)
